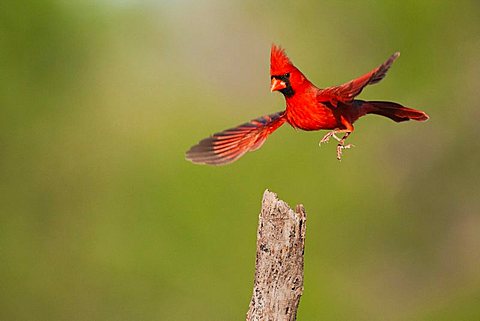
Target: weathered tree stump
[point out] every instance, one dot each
(278, 282)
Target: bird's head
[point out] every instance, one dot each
(285, 77)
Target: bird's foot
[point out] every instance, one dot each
(326, 138)
(340, 149)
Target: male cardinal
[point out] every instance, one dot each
(308, 108)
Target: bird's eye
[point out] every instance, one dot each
(287, 75)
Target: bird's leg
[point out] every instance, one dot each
(341, 145)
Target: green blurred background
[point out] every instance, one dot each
(101, 218)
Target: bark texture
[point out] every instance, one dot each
(279, 263)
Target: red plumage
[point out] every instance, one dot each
(307, 108)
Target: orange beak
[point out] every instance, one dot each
(277, 85)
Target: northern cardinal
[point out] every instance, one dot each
(308, 108)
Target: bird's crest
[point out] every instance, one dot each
(279, 61)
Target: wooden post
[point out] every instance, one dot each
(279, 264)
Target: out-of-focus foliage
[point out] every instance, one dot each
(101, 218)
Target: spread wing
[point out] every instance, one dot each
(346, 93)
(231, 144)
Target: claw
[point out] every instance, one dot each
(340, 150)
(325, 139)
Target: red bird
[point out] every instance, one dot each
(308, 108)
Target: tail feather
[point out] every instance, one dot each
(394, 111)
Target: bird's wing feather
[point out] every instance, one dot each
(347, 92)
(231, 144)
